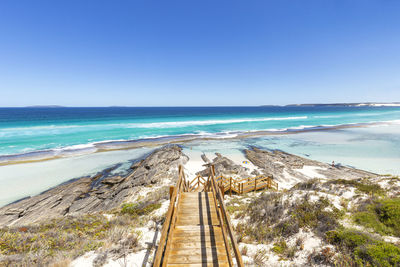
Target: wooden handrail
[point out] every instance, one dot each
(171, 214)
(225, 219)
(221, 221)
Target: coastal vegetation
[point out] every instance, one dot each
(59, 241)
(351, 219)
(63, 239)
(382, 215)
(362, 185)
(364, 249)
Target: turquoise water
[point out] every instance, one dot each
(374, 148)
(76, 133)
(63, 131)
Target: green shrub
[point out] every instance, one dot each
(67, 237)
(266, 214)
(364, 187)
(370, 220)
(279, 247)
(347, 238)
(388, 211)
(379, 254)
(383, 216)
(364, 249)
(138, 209)
(67, 233)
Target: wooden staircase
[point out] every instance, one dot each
(197, 227)
(197, 237)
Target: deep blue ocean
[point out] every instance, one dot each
(26, 130)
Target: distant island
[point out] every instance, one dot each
(367, 104)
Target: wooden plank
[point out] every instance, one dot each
(198, 245)
(195, 222)
(198, 229)
(198, 239)
(192, 211)
(196, 203)
(201, 233)
(197, 258)
(220, 264)
(195, 251)
(197, 218)
(203, 214)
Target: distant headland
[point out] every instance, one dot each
(367, 104)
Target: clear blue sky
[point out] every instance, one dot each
(182, 53)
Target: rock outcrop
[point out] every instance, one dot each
(93, 194)
(224, 166)
(284, 166)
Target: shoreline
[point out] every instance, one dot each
(105, 146)
(102, 184)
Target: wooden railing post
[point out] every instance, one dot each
(171, 191)
(230, 187)
(221, 187)
(255, 184)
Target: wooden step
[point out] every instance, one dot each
(198, 233)
(202, 251)
(220, 264)
(196, 228)
(187, 212)
(194, 207)
(198, 258)
(197, 194)
(198, 201)
(196, 221)
(198, 239)
(197, 245)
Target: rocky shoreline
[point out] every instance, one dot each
(93, 194)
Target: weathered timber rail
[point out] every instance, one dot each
(197, 229)
(238, 186)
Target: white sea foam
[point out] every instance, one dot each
(173, 124)
(328, 117)
(93, 147)
(167, 124)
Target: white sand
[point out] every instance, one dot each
(195, 162)
(311, 171)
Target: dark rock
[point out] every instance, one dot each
(113, 180)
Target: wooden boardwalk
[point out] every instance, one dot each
(197, 237)
(197, 228)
